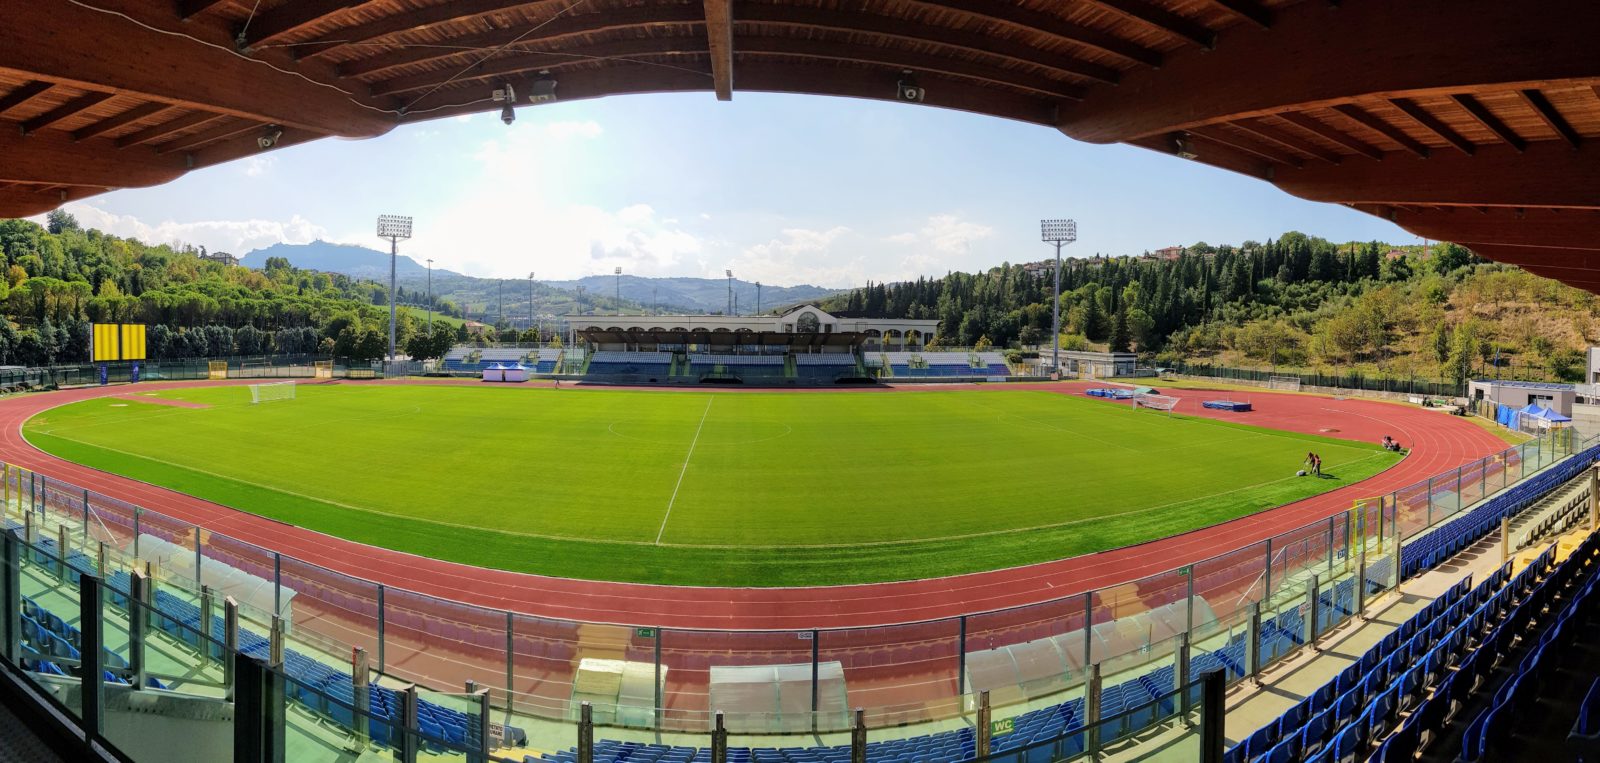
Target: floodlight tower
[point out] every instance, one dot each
(536, 336)
(618, 274)
(729, 274)
(1060, 233)
(394, 228)
(758, 297)
(430, 297)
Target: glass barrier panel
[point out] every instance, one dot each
(1138, 622)
(436, 642)
(50, 636)
(1027, 653)
(763, 682)
(327, 608)
(449, 724)
(545, 658)
(901, 674)
(327, 722)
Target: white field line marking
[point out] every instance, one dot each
(685, 470)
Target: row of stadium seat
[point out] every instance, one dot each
(1307, 727)
(1444, 541)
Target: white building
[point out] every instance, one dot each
(803, 328)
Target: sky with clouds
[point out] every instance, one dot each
(779, 188)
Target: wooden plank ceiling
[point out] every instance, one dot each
(1476, 121)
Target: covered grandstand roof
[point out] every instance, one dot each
(1465, 120)
(721, 338)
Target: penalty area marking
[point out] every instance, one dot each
(685, 470)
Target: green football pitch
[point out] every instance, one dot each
(712, 488)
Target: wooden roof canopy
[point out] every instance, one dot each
(1475, 121)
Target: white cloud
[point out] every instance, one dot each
(236, 236)
(587, 128)
(804, 255)
(256, 166)
(942, 243)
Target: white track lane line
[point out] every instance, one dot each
(685, 469)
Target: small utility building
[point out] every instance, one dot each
(1519, 394)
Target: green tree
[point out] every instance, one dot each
(1121, 339)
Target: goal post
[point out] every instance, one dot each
(266, 393)
(322, 369)
(1288, 383)
(1156, 402)
(218, 369)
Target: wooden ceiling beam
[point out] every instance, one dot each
(1317, 127)
(1377, 125)
(925, 34)
(1396, 50)
(1433, 124)
(143, 60)
(1272, 134)
(1163, 20)
(54, 157)
(510, 64)
(1247, 10)
(23, 94)
(142, 111)
(1551, 116)
(896, 60)
(188, 9)
(1489, 121)
(719, 38)
(1247, 145)
(1035, 22)
(159, 131)
(226, 129)
(422, 18)
(1548, 174)
(64, 111)
(20, 202)
(269, 26)
(638, 18)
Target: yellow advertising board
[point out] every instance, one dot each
(117, 341)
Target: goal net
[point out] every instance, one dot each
(1291, 383)
(266, 393)
(218, 369)
(1156, 402)
(322, 369)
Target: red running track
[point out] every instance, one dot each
(1438, 443)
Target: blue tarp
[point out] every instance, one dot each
(1505, 416)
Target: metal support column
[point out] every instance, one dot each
(277, 583)
(719, 740)
(410, 744)
(13, 598)
(1091, 711)
(511, 665)
(1266, 593)
(199, 561)
(91, 654)
(136, 512)
(1213, 717)
(984, 730)
(1361, 582)
(1330, 546)
(1088, 632)
(359, 677)
(1430, 503)
(382, 666)
(480, 736)
(275, 643)
(961, 662)
(1505, 539)
(206, 606)
(230, 644)
(1313, 597)
(659, 689)
(816, 678)
(858, 738)
(63, 548)
(258, 724)
(138, 624)
(86, 516)
(1254, 646)
(1182, 677)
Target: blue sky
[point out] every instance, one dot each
(782, 189)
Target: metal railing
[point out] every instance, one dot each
(1354, 380)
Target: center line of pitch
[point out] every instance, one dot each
(685, 469)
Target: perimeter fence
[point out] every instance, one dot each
(1352, 380)
(1239, 611)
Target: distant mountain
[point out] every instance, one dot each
(351, 260)
(487, 299)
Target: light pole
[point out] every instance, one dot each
(530, 306)
(394, 228)
(618, 274)
(430, 297)
(758, 297)
(729, 274)
(1060, 233)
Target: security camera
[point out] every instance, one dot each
(270, 139)
(907, 89)
(506, 95)
(544, 89)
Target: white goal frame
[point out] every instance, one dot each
(1156, 402)
(272, 391)
(1289, 383)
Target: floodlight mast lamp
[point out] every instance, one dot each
(394, 228)
(1060, 233)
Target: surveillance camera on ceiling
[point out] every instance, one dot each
(907, 90)
(270, 139)
(544, 89)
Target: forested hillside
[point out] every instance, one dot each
(59, 279)
(1297, 301)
